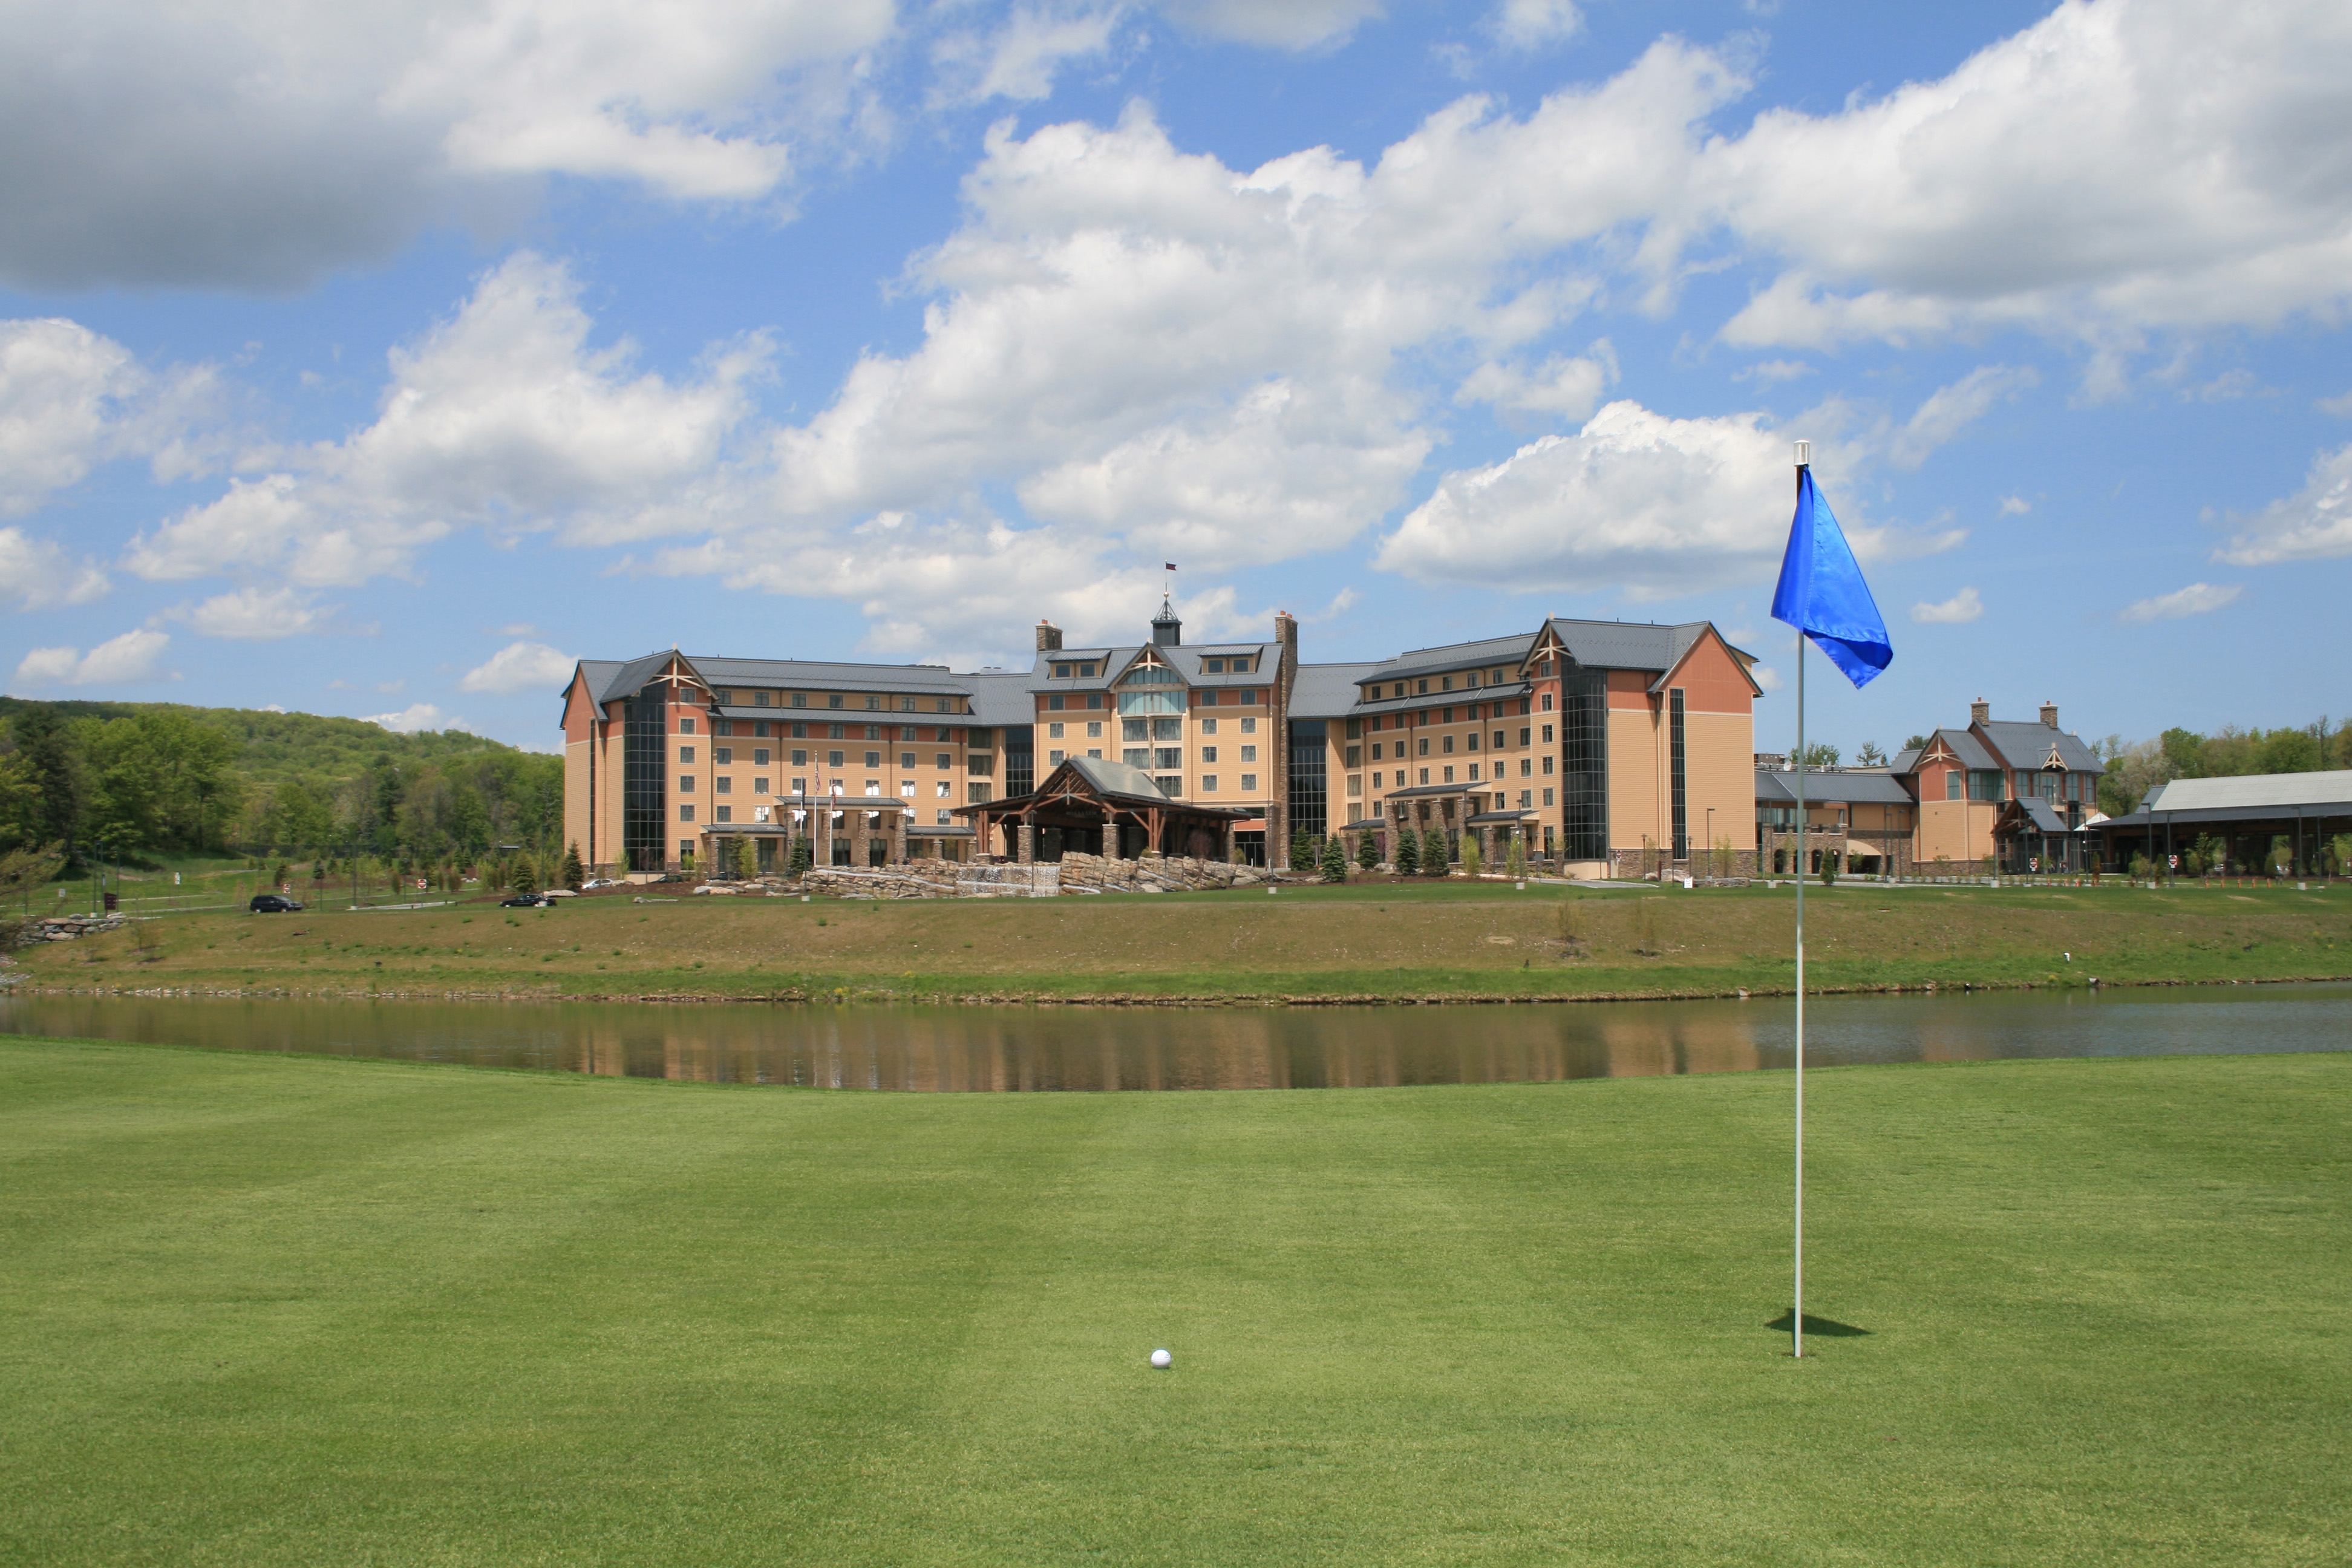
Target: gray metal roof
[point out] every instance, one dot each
(1619, 645)
(1971, 752)
(1111, 663)
(1508, 651)
(1115, 778)
(2028, 744)
(611, 681)
(2044, 817)
(2286, 794)
(1328, 690)
(1841, 788)
(1000, 698)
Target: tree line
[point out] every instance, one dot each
(161, 780)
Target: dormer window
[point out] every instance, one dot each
(1086, 669)
(1241, 666)
(1214, 666)
(1060, 672)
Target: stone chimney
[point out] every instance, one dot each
(1277, 811)
(1980, 711)
(2050, 715)
(1049, 638)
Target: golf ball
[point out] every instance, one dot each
(1162, 1358)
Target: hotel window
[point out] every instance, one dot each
(1376, 750)
(685, 753)
(1208, 726)
(726, 813)
(800, 786)
(1208, 783)
(833, 732)
(1526, 799)
(1242, 667)
(759, 756)
(1547, 797)
(1056, 702)
(1547, 767)
(686, 784)
(800, 758)
(800, 698)
(1249, 727)
(1499, 738)
(1527, 766)
(943, 794)
(1448, 745)
(1449, 775)
(686, 813)
(907, 789)
(1547, 702)
(872, 704)
(872, 759)
(1136, 756)
(762, 699)
(1420, 686)
(1214, 666)
(947, 705)
(1052, 732)
(873, 786)
(1167, 758)
(759, 785)
(832, 702)
(980, 762)
(873, 731)
(1354, 786)
(1678, 759)
(800, 732)
(722, 726)
(905, 705)
(1060, 672)
(1249, 783)
(1445, 683)
(906, 759)
(1424, 776)
(1523, 736)
(761, 729)
(1094, 699)
(1208, 754)
(685, 726)
(1421, 746)
(1054, 759)
(1474, 772)
(1095, 752)
(943, 760)
(722, 753)
(1547, 734)
(723, 785)
(832, 759)
(1249, 753)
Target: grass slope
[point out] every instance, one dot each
(270, 1311)
(1402, 940)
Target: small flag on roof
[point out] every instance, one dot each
(1821, 593)
(1168, 566)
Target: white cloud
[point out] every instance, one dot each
(2197, 599)
(1021, 59)
(2312, 524)
(1767, 677)
(119, 661)
(1956, 611)
(1773, 370)
(1531, 24)
(416, 717)
(257, 144)
(1635, 499)
(1562, 386)
(1283, 24)
(520, 667)
(2015, 506)
(256, 614)
(72, 398)
(2117, 167)
(2341, 406)
(504, 416)
(37, 572)
(1949, 410)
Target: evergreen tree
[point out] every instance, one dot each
(1368, 851)
(803, 857)
(1436, 852)
(526, 873)
(1407, 855)
(1302, 850)
(1335, 860)
(573, 872)
(40, 738)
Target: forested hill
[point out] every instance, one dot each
(272, 746)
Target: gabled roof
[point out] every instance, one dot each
(609, 681)
(1618, 645)
(1107, 777)
(2028, 744)
(1508, 651)
(1964, 746)
(2330, 790)
(1111, 663)
(1326, 690)
(1775, 787)
(2039, 814)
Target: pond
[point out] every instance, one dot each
(1096, 1048)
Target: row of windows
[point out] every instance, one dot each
(1989, 785)
(871, 702)
(1376, 691)
(724, 756)
(1527, 801)
(1446, 774)
(1354, 754)
(761, 730)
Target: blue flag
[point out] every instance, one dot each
(1821, 593)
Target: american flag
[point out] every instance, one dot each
(1168, 566)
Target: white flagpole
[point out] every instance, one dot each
(1796, 1311)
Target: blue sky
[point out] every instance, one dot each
(380, 359)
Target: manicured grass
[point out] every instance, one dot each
(1375, 940)
(268, 1309)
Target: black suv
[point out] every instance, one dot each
(526, 901)
(272, 904)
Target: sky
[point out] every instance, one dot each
(383, 359)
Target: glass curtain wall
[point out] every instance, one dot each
(645, 782)
(1306, 782)
(1584, 759)
(1679, 760)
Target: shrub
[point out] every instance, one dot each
(1302, 850)
(1368, 850)
(1436, 851)
(1514, 859)
(1473, 862)
(804, 855)
(1406, 857)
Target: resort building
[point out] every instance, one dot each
(1997, 794)
(2294, 824)
(1604, 748)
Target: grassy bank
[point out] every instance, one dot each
(295, 1310)
(1410, 940)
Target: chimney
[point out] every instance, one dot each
(2050, 715)
(1167, 631)
(1980, 711)
(1049, 638)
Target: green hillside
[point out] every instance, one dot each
(274, 746)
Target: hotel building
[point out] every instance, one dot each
(1605, 748)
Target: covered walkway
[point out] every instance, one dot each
(1094, 807)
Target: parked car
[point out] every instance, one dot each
(593, 883)
(272, 904)
(526, 901)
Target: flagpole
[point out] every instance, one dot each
(1796, 1311)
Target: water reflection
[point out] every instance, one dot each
(1054, 1048)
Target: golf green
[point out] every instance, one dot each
(265, 1309)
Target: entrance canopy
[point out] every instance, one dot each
(1097, 807)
